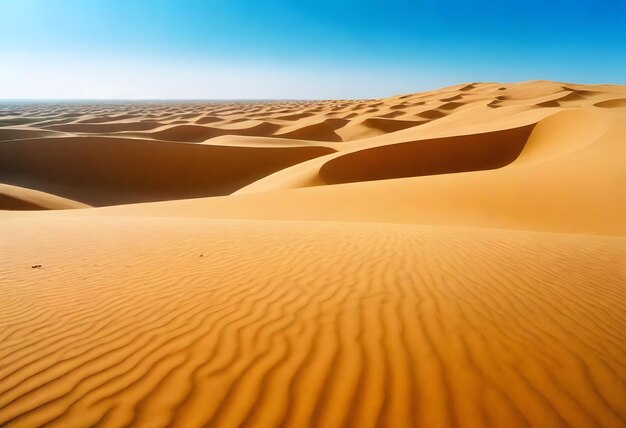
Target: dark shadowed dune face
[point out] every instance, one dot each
(108, 171)
(10, 203)
(427, 157)
(615, 103)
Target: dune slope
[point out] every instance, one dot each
(428, 157)
(106, 171)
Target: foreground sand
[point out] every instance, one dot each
(154, 322)
(452, 258)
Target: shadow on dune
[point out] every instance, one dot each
(8, 202)
(616, 103)
(96, 128)
(196, 134)
(107, 171)
(428, 157)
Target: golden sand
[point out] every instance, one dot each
(440, 259)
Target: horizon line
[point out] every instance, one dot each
(138, 100)
(2, 100)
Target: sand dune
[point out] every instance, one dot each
(374, 126)
(22, 133)
(615, 103)
(194, 133)
(319, 131)
(427, 157)
(19, 198)
(453, 258)
(208, 119)
(104, 171)
(95, 128)
(555, 186)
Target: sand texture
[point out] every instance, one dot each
(453, 258)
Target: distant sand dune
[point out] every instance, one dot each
(451, 106)
(431, 114)
(373, 126)
(207, 119)
(104, 119)
(194, 133)
(393, 114)
(320, 131)
(94, 128)
(296, 116)
(617, 103)
(22, 133)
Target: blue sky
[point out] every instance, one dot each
(215, 49)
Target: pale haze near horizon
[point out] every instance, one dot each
(95, 79)
(262, 49)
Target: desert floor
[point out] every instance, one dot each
(453, 258)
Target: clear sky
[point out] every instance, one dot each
(250, 49)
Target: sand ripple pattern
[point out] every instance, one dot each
(160, 322)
